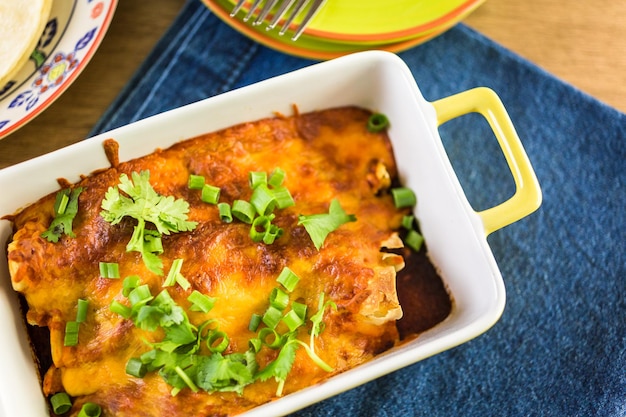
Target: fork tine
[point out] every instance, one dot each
(315, 7)
(253, 8)
(269, 4)
(296, 10)
(280, 13)
(238, 6)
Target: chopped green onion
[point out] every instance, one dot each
(293, 320)
(71, 333)
(255, 344)
(140, 295)
(279, 299)
(119, 308)
(183, 282)
(163, 299)
(403, 197)
(177, 264)
(300, 309)
(257, 178)
(81, 310)
(272, 316)
(377, 122)
(109, 270)
(414, 240)
(196, 182)
(90, 410)
(135, 367)
(210, 194)
(263, 200)
(225, 213)
(407, 222)
(271, 338)
(61, 403)
(288, 279)
(260, 226)
(271, 234)
(255, 320)
(130, 283)
(283, 197)
(243, 211)
(277, 177)
(217, 336)
(201, 302)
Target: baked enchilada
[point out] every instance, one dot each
(223, 272)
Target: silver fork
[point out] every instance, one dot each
(282, 9)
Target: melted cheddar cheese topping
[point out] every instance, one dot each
(326, 155)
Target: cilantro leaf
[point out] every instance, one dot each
(280, 367)
(65, 210)
(137, 199)
(320, 225)
(225, 373)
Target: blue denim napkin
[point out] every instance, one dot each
(560, 346)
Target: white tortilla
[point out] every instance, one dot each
(21, 24)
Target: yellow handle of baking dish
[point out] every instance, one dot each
(527, 196)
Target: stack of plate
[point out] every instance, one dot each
(346, 26)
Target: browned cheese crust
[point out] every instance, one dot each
(326, 155)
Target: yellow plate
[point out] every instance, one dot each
(307, 46)
(382, 21)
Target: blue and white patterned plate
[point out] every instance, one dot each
(73, 33)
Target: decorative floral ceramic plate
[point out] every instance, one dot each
(71, 36)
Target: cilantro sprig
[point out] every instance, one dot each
(137, 199)
(65, 210)
(320, 225)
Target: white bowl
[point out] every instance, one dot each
(380, 81)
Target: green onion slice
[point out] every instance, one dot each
(257, 178)
(71, 333)
(255, 344)
(279, 299)
(407, 222)
(277, 177)
(283, 197)
(140, 295)
(260, 226)
(271, 338)
(255, 320)
(288, 279)
(90, 410)
(130, 283)
(109, 270)
(119, 308)
(225, 213)
(243, 211)
(271, 234)
(414, 240)
(81, 310)
(210, 194)
(377, 122)
(61, 403)
(201, 302)
(196, 182)
(263, 200)
(218, 341)
(403, 197)
(135, 367)
(293, 320)
(272, 317)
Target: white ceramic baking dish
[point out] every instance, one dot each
(455, 233)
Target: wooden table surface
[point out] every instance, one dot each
(582, 42)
